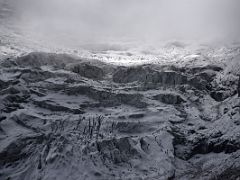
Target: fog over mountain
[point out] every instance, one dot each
(119, 90)
(149, 20)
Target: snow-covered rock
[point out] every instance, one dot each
(65, 117)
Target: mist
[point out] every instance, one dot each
(99, 21)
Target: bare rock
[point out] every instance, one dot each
(53, 106)
(169, 98)
(145, 74)
(88, 70)
(238, 89)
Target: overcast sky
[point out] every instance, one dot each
(151, 20)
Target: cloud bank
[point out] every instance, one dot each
(91, 21)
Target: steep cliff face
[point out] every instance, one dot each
(64, 117)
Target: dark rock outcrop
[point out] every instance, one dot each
(207, 75)
(169, 98)
(119, 150)
(13, 97)
(88, 70)
(20, 149)
(53, 106)
(3, 84)
(108, 98)
(145, 74)
(238, 89)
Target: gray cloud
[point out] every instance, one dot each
(153, 20)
